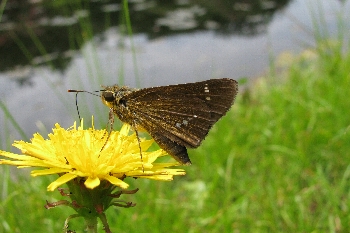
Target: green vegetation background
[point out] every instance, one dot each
(278, 162)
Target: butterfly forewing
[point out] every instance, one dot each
(180, 123)
(177, 116)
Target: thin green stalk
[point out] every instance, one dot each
(21, 45)
(129, 30)
(92, 60)
(91, 225)
(43, 52)
(121, 74)
(36, 41)
(13, 121)
(2, 8)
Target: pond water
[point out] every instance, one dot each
(47, 47)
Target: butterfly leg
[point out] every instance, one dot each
(139, 141)
(109, 126)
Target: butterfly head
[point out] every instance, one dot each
(115, 95)
(108, 98)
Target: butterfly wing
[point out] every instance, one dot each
(180, 116)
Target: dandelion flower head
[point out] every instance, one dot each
(94, 155)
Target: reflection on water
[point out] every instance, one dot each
(47, 47)
(45, 32)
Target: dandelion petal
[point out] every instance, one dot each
(63, 179)
(117, 182)
(92, 182)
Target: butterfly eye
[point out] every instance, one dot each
(122, 102)
(109, 96)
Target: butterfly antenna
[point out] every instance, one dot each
(76, 104)
(76, 98)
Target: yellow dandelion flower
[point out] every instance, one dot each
(86, 153)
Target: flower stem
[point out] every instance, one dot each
(91, 224)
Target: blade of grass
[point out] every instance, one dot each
(2, 8)
(129, 30)
(13, 121)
